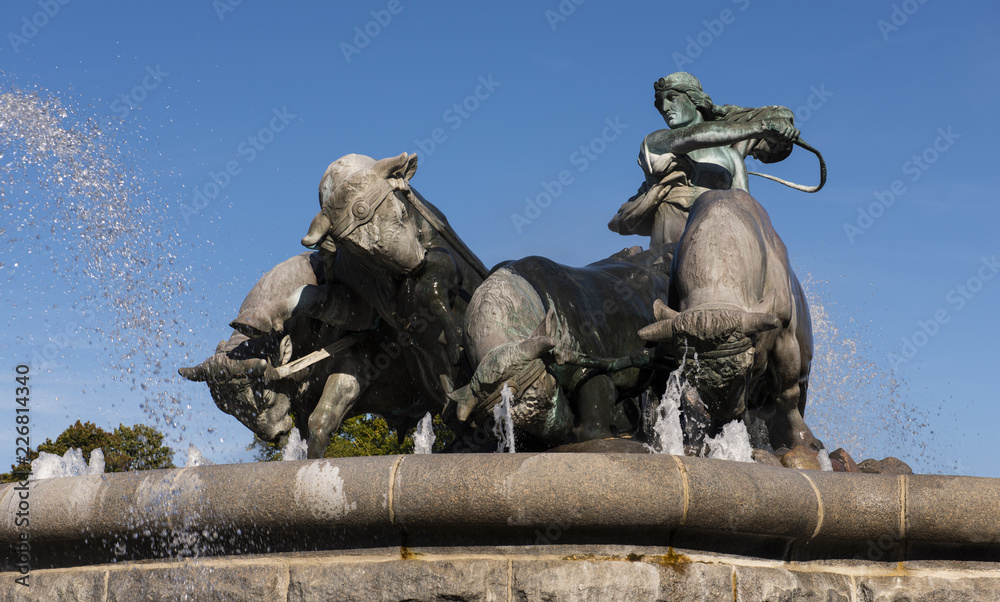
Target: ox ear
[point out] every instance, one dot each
(536, 346)
(548, 326)
(543, 339)
(411, 167)
(769, 305)
(402, 166)
(754, 323)
(284, 351)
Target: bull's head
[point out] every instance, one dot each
(364, 208)
(723, 339)
(240, 389)
(540, 406)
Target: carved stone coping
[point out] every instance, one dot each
(536, 502)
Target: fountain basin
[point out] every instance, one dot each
(503, 526)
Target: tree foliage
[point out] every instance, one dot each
(136, 447)
(364, 435)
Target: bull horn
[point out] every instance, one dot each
(317, 230)
(221, 368)
(195, 374)
(754, 323)
(465, 402)
(662, 312)
(658, 332)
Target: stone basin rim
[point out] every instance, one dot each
(474, 497)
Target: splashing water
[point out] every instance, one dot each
(91, 252)
(503, 427)
(733, 443)
(668, 435)
(423, 439)
(70, 464)
(195, 458)
(824, 460)
(856, 403)
(94, 203)
(295, 448)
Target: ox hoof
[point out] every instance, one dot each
(801, 457)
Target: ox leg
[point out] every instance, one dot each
(339, 395)
(788, 428)
(595, 404)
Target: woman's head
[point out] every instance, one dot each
(689, 85)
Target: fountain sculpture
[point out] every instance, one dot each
(696, 348)
(571, 343)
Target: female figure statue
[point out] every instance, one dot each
(704, 149)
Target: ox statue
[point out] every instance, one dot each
(284, 359)
(564, 341)
(736, 305)
(397, 254)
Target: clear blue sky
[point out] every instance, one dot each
(511, 92)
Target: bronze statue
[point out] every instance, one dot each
(703, 150)
(737, 315)
(395, 315)
(397, 254)
(285, 358)
(565, 341)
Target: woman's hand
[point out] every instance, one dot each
(779, 130)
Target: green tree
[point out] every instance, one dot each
(364, 435)
(266, 451)
(138, 447)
